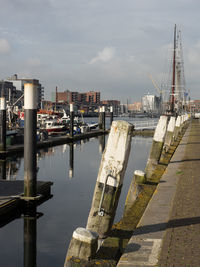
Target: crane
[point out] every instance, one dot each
(160, 92)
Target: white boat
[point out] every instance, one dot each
(53, 126)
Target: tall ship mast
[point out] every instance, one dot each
(178, 91)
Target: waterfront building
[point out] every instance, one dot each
(19, 85)
(151, 104)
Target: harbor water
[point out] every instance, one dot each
(73, 171)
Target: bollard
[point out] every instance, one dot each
(157, 145)
(71, 160)
(103, 118)
(71, 120)
(3, 124)
(30, 125)
(110, 178)
(83, 245)
(177, 128)
(100, 119)
(111, 115)
(135, 188)
(169, 134)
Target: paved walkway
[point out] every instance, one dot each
(168, 234)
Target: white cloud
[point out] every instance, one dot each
(4, 46)
(105, 55)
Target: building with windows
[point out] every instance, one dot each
(18, 83)
(151, 104)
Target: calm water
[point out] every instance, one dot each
(70, 205)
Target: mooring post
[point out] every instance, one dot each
(71, 160)
(71, 120)
(30, 125)
(156, 147)
(110, 178)
(100, 118)
(177, 128)
(3, 124)
(135, 188)
(83, 245)
(169, 133)
(103, 118)
(111, 115)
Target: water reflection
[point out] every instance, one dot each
(9, 168)
(69, 207)
(3, 169)
(71, 160)
(30, 238)
(102, 139)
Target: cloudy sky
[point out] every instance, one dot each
(111, 46)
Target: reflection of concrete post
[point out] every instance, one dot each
(103, 118)
(111, 115)
(177, 128)
(101, 143)
(71, 120)
(169, 133)
(30, 237)
(3, 124)
(157, 145)
(71, 160)
(83, 245)
(110, 178)
(30, 124)
(3, 169)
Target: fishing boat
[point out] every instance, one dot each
(52, 126)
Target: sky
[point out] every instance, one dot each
(111, 46)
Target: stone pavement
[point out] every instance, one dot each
(168, 234)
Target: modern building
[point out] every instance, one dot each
(151, 104)
(19, 85)
(90, 97)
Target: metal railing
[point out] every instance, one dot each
(142, 125)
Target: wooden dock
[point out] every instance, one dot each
(11, 198)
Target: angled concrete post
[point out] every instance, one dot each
(110, 178)
(177, 128)
(157, 145)
(83, 245)
(2, 124)
(169, 134)
(135, 188)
